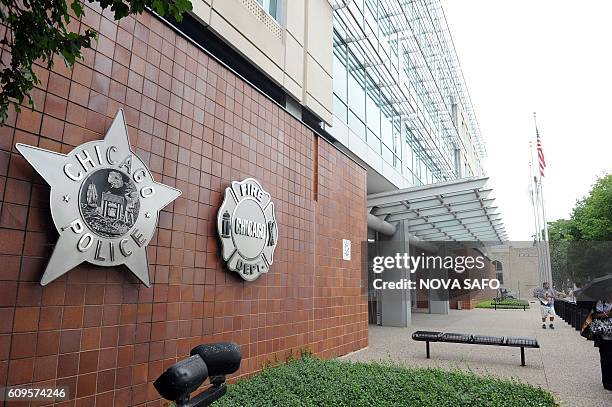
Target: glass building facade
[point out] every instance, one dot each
(400, 102)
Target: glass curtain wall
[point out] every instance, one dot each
(394, 88)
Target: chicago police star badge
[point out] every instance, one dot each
(104, 203)
(247, 229)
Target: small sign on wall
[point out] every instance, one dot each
(346, 249)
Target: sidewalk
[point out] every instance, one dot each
(565, 364)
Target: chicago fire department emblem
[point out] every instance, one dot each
(104, 203)
(247, 229)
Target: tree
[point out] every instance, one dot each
(580, 247)
(37, 30)
(561, 229)
(592, 216)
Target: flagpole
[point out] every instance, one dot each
(546, 243)
(539, 185)
(537, 212)
(542, 228)
(536, 222)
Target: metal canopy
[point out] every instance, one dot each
(459, 210)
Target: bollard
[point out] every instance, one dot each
(577, 318)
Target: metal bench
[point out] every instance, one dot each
(496, 304)
(434, 336)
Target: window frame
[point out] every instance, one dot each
(278, 12)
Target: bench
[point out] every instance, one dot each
(429, 336)
(497, 304)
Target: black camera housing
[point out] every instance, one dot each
(182, 378)
(221, 358)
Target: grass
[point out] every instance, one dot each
(508, 303)
(313, 382)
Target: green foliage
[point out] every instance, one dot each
(305, 352)
(580, 246)
(508, 303)
(38, 30)
(592, 216)
(562, 229)
(312, 382)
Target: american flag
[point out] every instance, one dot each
(541, 160)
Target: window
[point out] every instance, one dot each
(357, 125)
(373, 115)
(388, 135)
(272, 7)
(356, 93)
(423, 171)
(408, 155)
(387, 155)
(340, 79)
(340, 109)
(374, 142)
(499, 271)
(500, 277)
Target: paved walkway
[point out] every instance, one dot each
(566, 364)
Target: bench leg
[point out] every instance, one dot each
(522, 356)
(427, 348)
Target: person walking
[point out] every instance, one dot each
(547, 296)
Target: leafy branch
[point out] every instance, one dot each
(37, 30)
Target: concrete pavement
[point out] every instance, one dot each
(565, 364)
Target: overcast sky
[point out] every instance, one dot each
(553, 57)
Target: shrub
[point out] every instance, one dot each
(312, 382)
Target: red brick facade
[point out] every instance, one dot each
(198, 127)
(469, 300)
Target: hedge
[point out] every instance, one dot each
(313, 382)
(508, 303)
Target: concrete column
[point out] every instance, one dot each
(396, 306)
(438, 299)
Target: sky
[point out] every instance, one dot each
(553, 57)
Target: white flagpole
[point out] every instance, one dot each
(545, 248)
(533, 193)
(546, 244)
(542, 229)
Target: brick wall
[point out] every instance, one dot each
(469, 299)
(340, 301)
(198, 127)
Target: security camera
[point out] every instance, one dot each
(221, 359)
(183, 378)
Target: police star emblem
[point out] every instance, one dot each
(104, 203)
